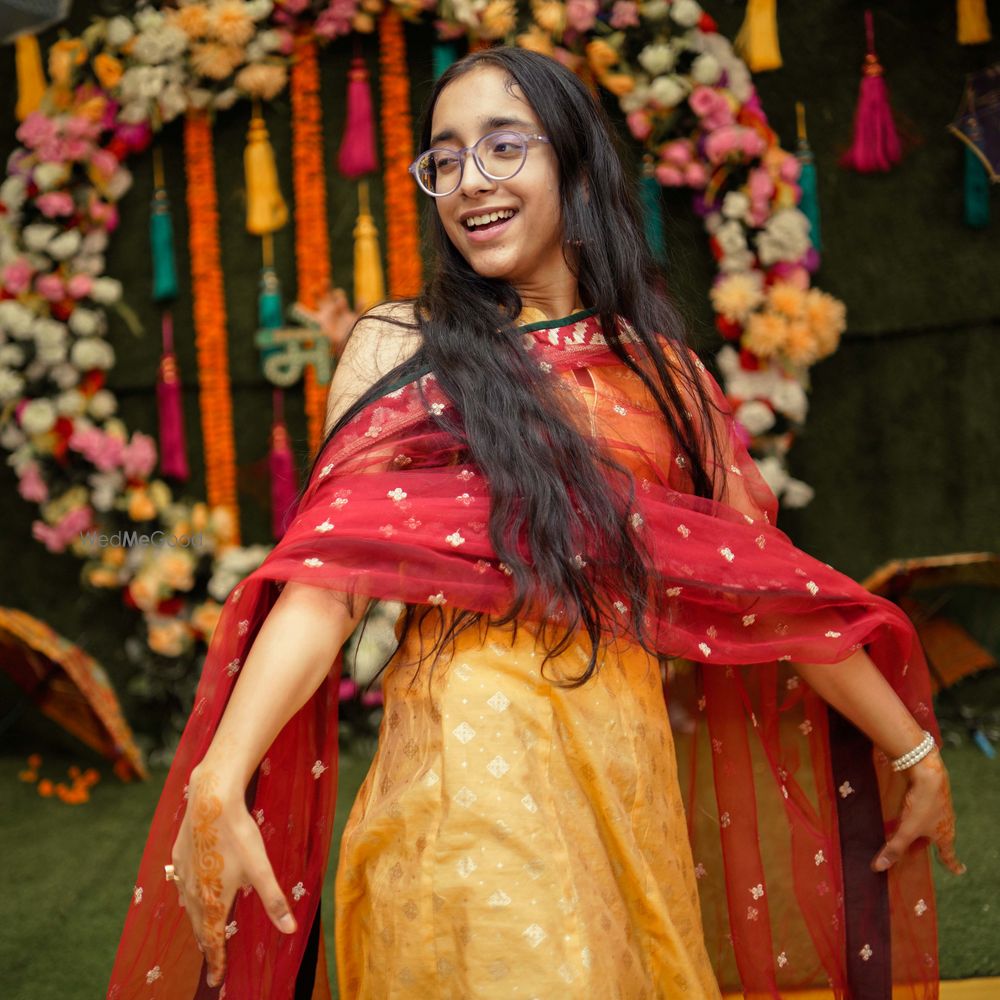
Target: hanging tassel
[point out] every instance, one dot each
(170, 408)
(161, 237)
(281, 464)
(757, 40)
(973, 22)
(651, 200)
(266, 209)
(369, 282)
(809, 202)
(357, 149)
(443, 55)
(977, 191)
(31, 82)
(876, 142)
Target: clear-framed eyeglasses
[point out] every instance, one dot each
(499, 156)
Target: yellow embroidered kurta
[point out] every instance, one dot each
(515, 839)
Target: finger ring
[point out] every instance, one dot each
(171, 873)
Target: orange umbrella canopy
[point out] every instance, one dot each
(69, 687)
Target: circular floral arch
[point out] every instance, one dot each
(688, 100)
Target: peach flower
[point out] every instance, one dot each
(230, 23)
(264, 80)
(765, 334)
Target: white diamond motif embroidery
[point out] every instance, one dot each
(498, 767)
(534, 934)
(498, 702)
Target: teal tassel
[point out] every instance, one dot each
(161, 240)
(650, 199)
(977, 191)
(270, 312)
(809, 203)
(443, 56)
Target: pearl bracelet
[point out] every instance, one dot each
(918, 753)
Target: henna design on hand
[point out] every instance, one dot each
(209, 865)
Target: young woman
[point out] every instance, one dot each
(531, 459)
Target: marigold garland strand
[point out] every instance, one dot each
(210, 324)
(402, 238)
(312, 245)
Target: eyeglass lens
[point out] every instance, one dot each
(501, 154)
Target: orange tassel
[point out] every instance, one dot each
(369, 284)
(31, 82)
(757, 40)
(266, 209)
(973, 22)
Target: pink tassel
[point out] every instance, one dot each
(282, 467)
(357, 149)
(876, 142)
(170, 408)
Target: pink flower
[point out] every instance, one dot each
(80, 285)
(104, 214)
(293, 6)
(751, 142)
(668, 176)
(50, 287)
(104, 451)
(581, 14)
(695, 175)
(17, 276)
(136, 137)
(36, 129)
(625, 15)
(722, 142)
(54, 203)
(348, 689)
(31, 485)
(52, 537)
(79, 127)
(76, 149)
(704, 100)
(760, 187)
(331, 23)
(370, 698)
(790, 169)
(286, 43)
(78, 519)
(139, 456)
(639, 124)
(677, 152)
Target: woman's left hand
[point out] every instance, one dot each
(219, 847)
(927, 812)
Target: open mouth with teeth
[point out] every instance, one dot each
(493, 220)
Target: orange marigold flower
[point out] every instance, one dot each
(35, 761)
(45, 787)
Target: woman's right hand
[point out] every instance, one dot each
(218, 849)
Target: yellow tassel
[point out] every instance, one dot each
(757, 40)
(266, 209)
(31, 82)
(973, 22)
(369, 282)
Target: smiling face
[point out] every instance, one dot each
(527, 250)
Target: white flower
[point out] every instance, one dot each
(657, 58)
(71, 403)
(686, 13)
(173, 102)
(225, 99)
(13, 191)
(105, 488)
(654, 10)
(797, 493)
(16, 319)
(96, 241)
(119, 31)
(258, 10)
(50, 175)
(143, 82)
(119, 183)
(38, 416)
(667, 91)
(199, 97)
(92, 353)
(64, 375)
(11, 436)
(775, 475)
(84, 322)
(36, 236)
(735, 205)
(102, 404)
(11, 385)
(165, 44)
(148, 19)
(731, 237)
(106, 291)
(790, 399)
(755, 416)
(11, 354)
(706, 69)
(134, 113)
(785, 237)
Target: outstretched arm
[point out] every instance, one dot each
(856, 688)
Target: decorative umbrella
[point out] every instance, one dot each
(19, 17)
(69, 687)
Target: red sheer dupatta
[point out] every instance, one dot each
(780, 823)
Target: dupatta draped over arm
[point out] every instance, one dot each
(786, 803)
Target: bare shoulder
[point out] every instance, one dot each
(383, 337)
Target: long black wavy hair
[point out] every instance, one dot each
(551, 487)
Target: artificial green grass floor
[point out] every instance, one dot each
(68, 872)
